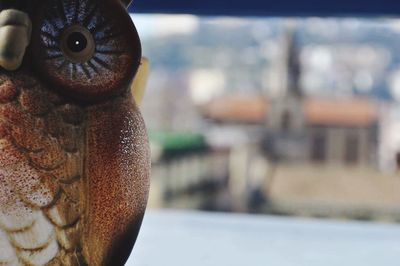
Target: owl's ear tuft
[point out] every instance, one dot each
(126, 2)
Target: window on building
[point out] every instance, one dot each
(286, 121)
(398, 160)
(318, 147)
(351, 149)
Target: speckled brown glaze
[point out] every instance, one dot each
(42, 186)
(74, 158)
(118, 184)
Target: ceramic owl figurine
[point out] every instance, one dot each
(74, 159)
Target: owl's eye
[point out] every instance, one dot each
(85, 49)
(77, 44)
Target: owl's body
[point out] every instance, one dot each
(74, 163)
(42, 189)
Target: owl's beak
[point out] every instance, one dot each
(15, 35)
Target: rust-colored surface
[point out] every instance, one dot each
(74, 158)
(118, 163)
(42, 182)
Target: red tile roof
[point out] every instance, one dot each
(344, 112)
(318, 111)
(239, 108)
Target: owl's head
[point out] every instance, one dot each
(88, 50)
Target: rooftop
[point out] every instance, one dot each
(344, 112)
(237, 108)
(254, 109)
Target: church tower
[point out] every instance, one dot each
(286, 114)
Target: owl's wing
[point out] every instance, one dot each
(41, 184)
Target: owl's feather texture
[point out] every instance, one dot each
(41, 175)
(74, 158)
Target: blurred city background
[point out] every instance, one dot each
(274, 116)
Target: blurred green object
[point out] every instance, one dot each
(175, 143)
